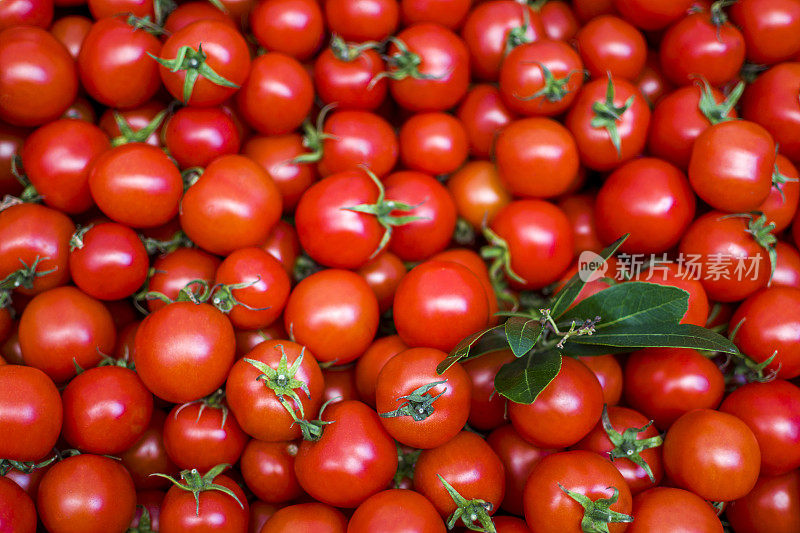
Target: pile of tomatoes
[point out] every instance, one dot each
(238, 237)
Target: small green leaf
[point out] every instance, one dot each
(523, 379)
(627, 339)
(491, 342)
(522, 334)
(564, 298)
(635, 303)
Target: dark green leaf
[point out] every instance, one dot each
(564, 298)
(523, 379)
(626, 339)
(522, 334)
(635, 303)
(492, 341)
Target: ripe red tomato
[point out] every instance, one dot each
(369, 365)
(357, 139)
(565, 411)
(396, 510)
(101, 499)
(26, 12)
(294, 28)
(63, 326)
(209, 510)
(274, 153)
(309, 516)
(173, 271)
(137, 120)
(184, 351)
(234, 204)
(383, 275)
(268, 470)
(673, 509)
(353, 459)
(608, 372)
(483, 114)
(784, 195)
(345, 74)
(787, 266)
(549, 509)
(197, 136)
(772, 506)
(30, 413)
(435, 143)
(148, 456)
(487, 408)
(713, 454)
(108, 8)
(17, 509)
(652, 15)
(189, 12)
(770, 29)
(438, 303)
(478, 192)
(611, 46)
(38, 77)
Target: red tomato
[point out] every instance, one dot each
(579, 209)
(488, 409)
(197, 136)
(771, 29)
(26, 12)
(648, 198)
(483, 114)
(283, 244)
(608, 372)
(175, 270)
(611, 46)
(18, 511)
(787, 266)
(673, 509)
(256, 404)
(564, 412)
(383, 275)
(770, 322)
(207, 510)
(354, 139)
(396, 510)
(549, 509)
(362, 20)
(652, 15)
(369, 365)
(63, 326)
(148, 456)
(268, 470)
(108, 8)
(294, 28)
(137, 185)
(309, 516)
(30, 413)
(478, 192)
(345, 74)
(189, 12)
(140, 120)
(784, 195)
(38, 78)
(435, 143)
(558, 20)
(353, 459)
(101, 499)
(234, 204)
(771, 507)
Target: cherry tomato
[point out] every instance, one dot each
(772, 506)
(483, 114)
(608, 372)
(478, 192)
(358, 139)
(362, 20)
(293, 28)
(673, 509)
(347, 76)
(197, 136)
(558, 20)
(189, 12)
(369, 365)
(652, 15)
(173, 271)
(609, 44)
(784, 195)
(148, 456)
(310, 516)
(770, 29)
(396, 510)
(487, 409)
(383, 275)
(787, 266)
(268, 470)
(18, 511)
(213, 510)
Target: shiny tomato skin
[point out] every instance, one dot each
(32, 413)
(256, 407)
(196, 136)
(579, 209)
(226, 53)
(370, 364)
(410, 370)
(483, 114)
(783, 199)
(137, 118)
(188, 12)
(358, 138)
(383, 275)
(731, 166)
(283, 244)
(115, 64)
(362, 20)
(147, 456)
(217, 511)
(268, 470)
(294, 28)
(665, 383)
(277, 95)
(435, 143)
(478, 192)
(444, 58)
(648, 198)
(348, 82)
(649, 15)
(11, 140)
(772, 411)
(539, 238)
(432, 203)
(196, 436)
(488, 409)
(334, 313)
(102, 496)
(62, 326)
(673, 509)
(26, 12)
(184, 351)
(313, 516)
(101, 9)
(609, 44)
(438, 303)
(57, 158)
(549, 510)
(787, 266)
(173, 271)
(468, 463)
(519, 457)
(111, 262)
(106, 410)
(233, 205)
(354, 458)
(608, 372)
(396, 510)
(39, 80)
(771, 507)
(770, 29)
(17, 509)
(565, 411)
(770, 321)
(137, 185)
(713, 454)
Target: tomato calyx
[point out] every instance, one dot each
(215, 400)
(311, 429)
(154, 246)
(628, 446)
(555, 89)
(718, 112)
(597, 515)
(519, 35)
(26, 467)
(127, 135)
(469, 511)
(145, 523)
(718, 16)
(224, 300)
(194, 63)
(419, 404)
(144, 23)
(25, 276)
(350, 52)
(195, 483)
(29, 193)
(403, 64)
(406, 461)
(761, 229)
(199, 291)
(779, 179)
(76, 241)
(282, 380)
(740, 369)
(303, 267)
(498, 253)
(606, 115)
(314, 137)
(382, 209)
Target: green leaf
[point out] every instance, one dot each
(634, 303)
(626, 339)
(523, 379)
(564, 298)
(490, 341)
(522, 334)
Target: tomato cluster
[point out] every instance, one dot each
(340, 266)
